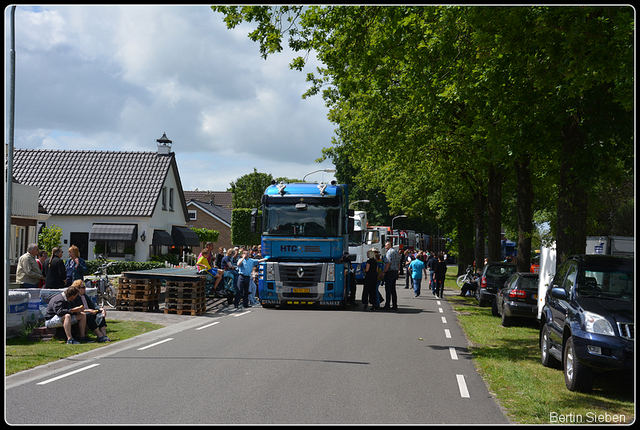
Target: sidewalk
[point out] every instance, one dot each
(214, 307)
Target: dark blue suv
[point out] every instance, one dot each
(587, 321)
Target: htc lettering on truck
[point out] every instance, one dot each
(304, 235)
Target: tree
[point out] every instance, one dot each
(475, 99)
(49, 238)
(248, 189)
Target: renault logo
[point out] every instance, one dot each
(300, 272)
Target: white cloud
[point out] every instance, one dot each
(117, 77)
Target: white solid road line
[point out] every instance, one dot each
(462, 385)
(208, 325)
(154, 344)
(68, 374)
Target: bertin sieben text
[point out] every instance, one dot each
(587, 418)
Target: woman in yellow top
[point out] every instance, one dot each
(203, 264)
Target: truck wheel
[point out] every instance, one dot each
(577, 377)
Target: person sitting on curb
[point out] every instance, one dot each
(61, 314)
(96, 317)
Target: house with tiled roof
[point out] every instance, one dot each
(206, 214)
(110, 202)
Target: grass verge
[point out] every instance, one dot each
(508, 358)
(22, 354)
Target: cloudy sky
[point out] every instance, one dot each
(118, 77)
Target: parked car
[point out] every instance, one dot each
(517, 298)
(587, 321)
(493, 276)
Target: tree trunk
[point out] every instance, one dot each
(480, 201)
(465, 241)
(494, 208)
(571, 236)
(524, 198)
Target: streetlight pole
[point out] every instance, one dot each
(358, 201)
(394, 218)
(316, 171)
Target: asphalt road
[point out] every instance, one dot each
(270, 366)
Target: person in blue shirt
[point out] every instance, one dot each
(245, 266)
(417, 267)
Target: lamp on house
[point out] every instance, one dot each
(143, 236)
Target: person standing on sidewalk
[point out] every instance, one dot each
(390, 276)
(28, 271)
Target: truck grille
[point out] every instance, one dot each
(626, 330)
(300, 275)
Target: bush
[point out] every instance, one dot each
(123, 266)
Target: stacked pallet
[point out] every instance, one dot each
(185, 298)
(138, 294)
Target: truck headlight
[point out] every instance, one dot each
(597, 324)
(331, 272)
(270, 272)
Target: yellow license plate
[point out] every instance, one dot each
(535, 296)
(300, 290)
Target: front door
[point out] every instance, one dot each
(81, 240)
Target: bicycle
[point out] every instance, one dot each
(106, 292)
(467, 277)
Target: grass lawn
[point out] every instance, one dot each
(22, 354)
(508, 358)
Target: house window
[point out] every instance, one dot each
(171, 199)
(193, 215)
(112, 248)
(164, 198)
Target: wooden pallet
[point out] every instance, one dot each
(139, 281)
(138, 296)
(137, 305)
(192, 312)
(188, 284)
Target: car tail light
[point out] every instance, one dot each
(483, 283)
(518, 294)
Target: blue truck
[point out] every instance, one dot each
(304, 235)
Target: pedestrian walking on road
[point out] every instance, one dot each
(416, 268)
(441, 271)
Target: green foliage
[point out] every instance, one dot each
(49, 238)
(429, 100)
(248, 189)
(241, 228)
(123, 266)
(206, 235)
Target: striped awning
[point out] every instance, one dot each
(117, 232)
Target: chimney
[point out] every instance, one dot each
(164, 145)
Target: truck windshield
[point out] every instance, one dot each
(309, 217)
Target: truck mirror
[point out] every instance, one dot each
(351, 225)
(255, 220)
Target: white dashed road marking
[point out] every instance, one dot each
(462, 385)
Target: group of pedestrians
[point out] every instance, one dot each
(36, 270)
(237, 264)
(380, 271)
(71, 307)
